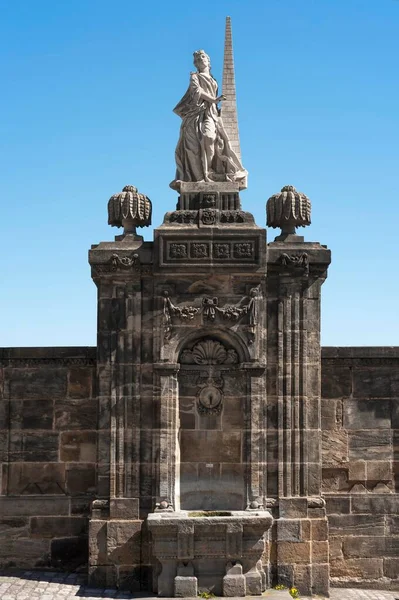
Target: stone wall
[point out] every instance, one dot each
(48, 420)
(360, 422)
(48, 451)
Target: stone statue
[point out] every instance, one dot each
(204, 152)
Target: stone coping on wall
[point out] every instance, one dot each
(360, 352)
(89, 352)
(41, 355)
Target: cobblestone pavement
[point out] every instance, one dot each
(35, 585)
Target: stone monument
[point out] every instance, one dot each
(208, 378)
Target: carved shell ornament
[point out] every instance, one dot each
(209, 352)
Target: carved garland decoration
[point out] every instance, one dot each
(210, 309)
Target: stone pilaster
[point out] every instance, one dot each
(169, 449)
(296, 271)
(113, 554)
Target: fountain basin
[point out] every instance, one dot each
(205, 546)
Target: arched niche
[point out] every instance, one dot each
(213, 435)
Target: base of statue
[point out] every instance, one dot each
(216, 179)
(194, 195)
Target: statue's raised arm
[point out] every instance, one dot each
(203, 152)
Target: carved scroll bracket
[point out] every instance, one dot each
(298, 262)
(125, 262)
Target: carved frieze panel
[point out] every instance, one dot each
(200, 250)
(208, 217)
(244, 250)
(183, 217)
(224, 251)
(178, 251)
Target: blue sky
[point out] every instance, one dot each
(87, 92)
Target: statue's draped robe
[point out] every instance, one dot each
(200, 118)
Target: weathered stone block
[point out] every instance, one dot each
(334, 447)
(357, 470)
(354, 568)
(31, 414)
(69, 553)
(367, 414)
(36, 478)
(34, 446)
(336, 547)
(379, 470)
(186, 587)
(124, 508)
(392, 546)
(103, 576)
(234, 583)
(24, 553)
(357, 525)
(58, 527)
(13, 528)
(253, 580)
(293, 508)
(320, 552)
(293, 552)
(303, 579)
(391, 568)
(364, 547)
(336, 382)
(319, 529)
(34, 505)
(80, 382)
(98, 542)
(392, 524)
(37, 384)
(331, 414)
(81, 479)
(75, 414)
(321, 580)
(376, 504)
(370, 445)
(78, 446)
(211, 446)
(289, 530)
(123, 542)
(375, 383)
(335, 480)
(395, 413)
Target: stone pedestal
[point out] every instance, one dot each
(186, 584)
(234, 581)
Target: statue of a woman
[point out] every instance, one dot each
(203, 152)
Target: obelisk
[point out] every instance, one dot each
(229, 106)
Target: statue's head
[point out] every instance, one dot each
(201, 59)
